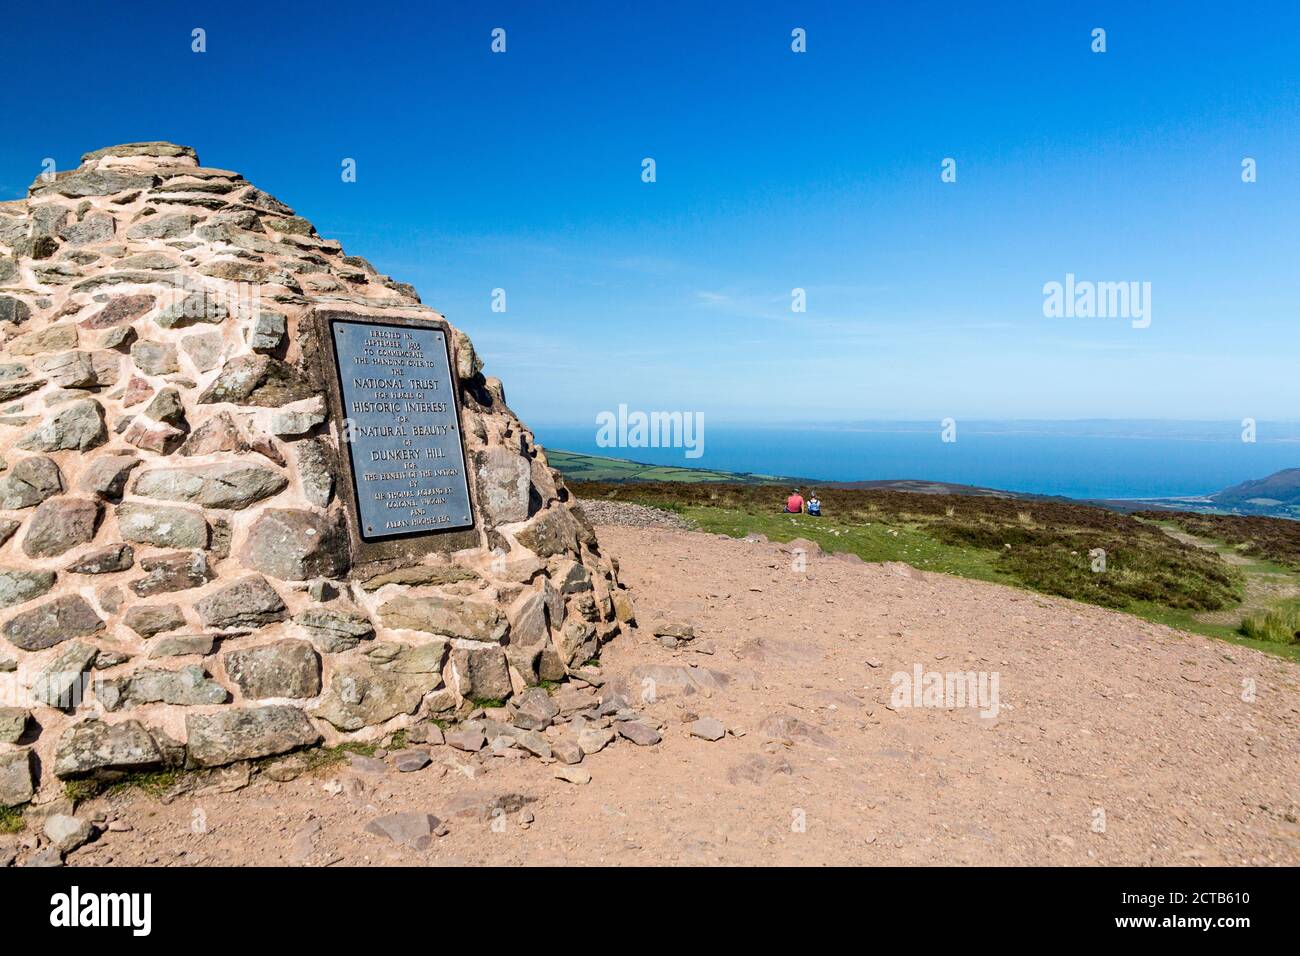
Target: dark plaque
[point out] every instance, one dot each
(401, 428)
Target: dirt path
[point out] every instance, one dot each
(1116, 741)
(1264, 589)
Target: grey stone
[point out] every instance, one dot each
(80, 427)
(362, 693)
(17, 778)
(105, 560)
(150, 619)
(295, 545)
(119, 311)
(212, 486)
(258, 380)
(571, 577)
(283, 669)
(315, 471)
(154, 149)
(182, 645)
(174, 571)
(247, 733)
(364, 764)
(480, 671)
(471, 741)
(708, 728)
(52, 623)
(52, 338)
(162, 526)
(535, 710)
(204, 349)
(267, 332)
(153, 260)
(574, 775)
(94, 182)
(411, 760)
(41, 245)
(447, 615)
(106, 476)
(92, 746)
(7, 528)
(48, 857)
(68, 833)
(504, 481)
(333, 630)
(643, 735)
(154, 358)
(18, 585)
(68, 369)
(249, 602)
(16, 312)
(217, 434)
(172, 226)
(13, 724)
(552, 532)
(92, 230)
(576, 642)
(408, 829)
(533, 742)
(186, 687)
(414, 575)
(527, 617)
(109, 658)
(110, 599)
(157, 437)
(594, 739)
(118, 339)
(61, 684)
(59, 524)
(674, 629)
(167, 407)
(11, 390)
(566, 751)
(289, 423)
(426, 733)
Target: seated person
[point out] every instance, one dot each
(794, 504)
(815, 506)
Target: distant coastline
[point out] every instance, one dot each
(1092, 460)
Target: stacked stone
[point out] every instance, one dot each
(174, 561)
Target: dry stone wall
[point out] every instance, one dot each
(177, 586)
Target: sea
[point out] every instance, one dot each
(1076, 459)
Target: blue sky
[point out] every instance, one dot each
(775, 170)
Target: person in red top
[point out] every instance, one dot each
(794, 504)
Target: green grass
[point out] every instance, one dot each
(153, 782)
(872, 541)
(1278, 626)
(576, 467)
(1205, 586)
(11, 820)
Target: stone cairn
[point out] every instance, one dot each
(176, 580)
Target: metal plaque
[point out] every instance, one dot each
(401, 429)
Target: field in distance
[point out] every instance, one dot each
(1236, 578)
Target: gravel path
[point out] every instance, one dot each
(632, 516)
